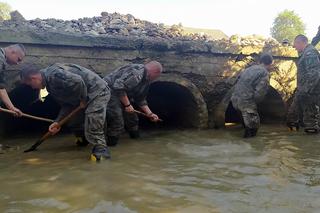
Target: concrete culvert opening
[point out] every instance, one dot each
(271, 110)
(27, 100)
(178, 102)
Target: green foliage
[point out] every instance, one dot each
(5, 10)
(287, 25)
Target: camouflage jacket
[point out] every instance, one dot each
(316, 39)
(70, 83)
(3, 64)
(252, 85)
(131, 80)
(308, 75)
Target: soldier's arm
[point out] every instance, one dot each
(5, 97)
(261, 88)
(312, 75)
(316, 39)
(123, 84)
(72, 84)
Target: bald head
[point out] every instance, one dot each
(154, 69)
(300, 42)
(15, 53)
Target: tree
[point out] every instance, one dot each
(5, 10)
(287, 25)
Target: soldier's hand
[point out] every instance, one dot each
(17, 111)
(129, 109)
(153, 117)
(54, 128)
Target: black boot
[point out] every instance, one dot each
(112, 140)
(249, 133)
(134, 134)
(311, 130)
(99, 153)
(82, 141)
(254, 132)
(293, 126)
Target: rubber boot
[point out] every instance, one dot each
(112, 140)
(311, 130)
(254, 132)
(293, 126)
(134, 134)
(100, 153)
(82, 141)
(249, 133)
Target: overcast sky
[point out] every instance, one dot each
(244, 17)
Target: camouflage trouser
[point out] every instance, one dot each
(310, 110)
(117, 118)
(91, 122)
(293, 111)
(249, 113)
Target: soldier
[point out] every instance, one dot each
(129, 85)
(250, 89)
(316, 39)
(71, 85)
(307, 95)
(11, 55)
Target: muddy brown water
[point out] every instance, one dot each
(166, 171)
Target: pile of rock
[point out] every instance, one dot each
(106, 24)
(115, 24)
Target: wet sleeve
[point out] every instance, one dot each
(261, 88)
(142, 102)
(125, 83)
(316, 39)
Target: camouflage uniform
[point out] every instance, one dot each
(250, 89)
(316, 39)
(70, 83)
(131, 80)
(307, 95)
(3, 64)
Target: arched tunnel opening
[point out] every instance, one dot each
(28, 101)
(176, 105)
(272, 110)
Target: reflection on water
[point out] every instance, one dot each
(166, 171)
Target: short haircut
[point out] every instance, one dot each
(266, 59)
(302, 38)
(18, 47)
(27, 70)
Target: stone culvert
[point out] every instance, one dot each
(198, 73)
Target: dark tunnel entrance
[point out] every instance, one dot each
(28, 101)
(177, 105)
(173, 104)
(271, 109)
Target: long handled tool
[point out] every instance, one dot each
(145, 115)
(48, 134)
(27, 115)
